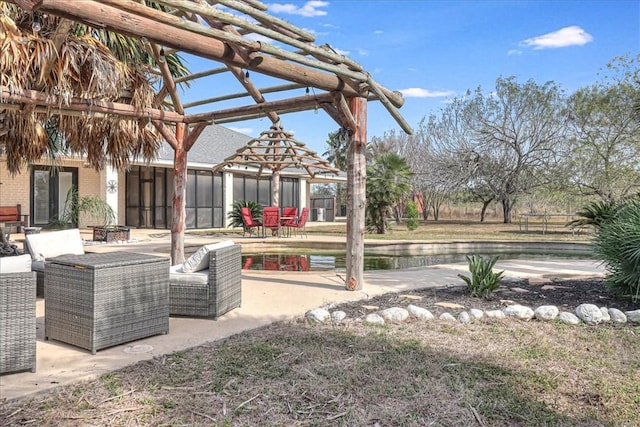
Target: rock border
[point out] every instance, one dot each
(589, 314)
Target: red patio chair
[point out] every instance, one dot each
(271, 220)
(249, 223)
(289, 216)
(301, 223)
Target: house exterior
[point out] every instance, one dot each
(142, 196)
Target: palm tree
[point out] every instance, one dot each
(66, 59)
(336, 153)
(388, 181)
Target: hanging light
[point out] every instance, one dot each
(246, 74)
(36, 25)
(161, 58)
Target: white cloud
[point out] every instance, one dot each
(363, 52)
(514, 52)
(245, 131)
(310, 8)
(378, 32)
(567, 36)
(417, 92)
(259, 38)
(341, 52)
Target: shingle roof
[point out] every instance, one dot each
(214, 144)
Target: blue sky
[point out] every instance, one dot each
(432, 51)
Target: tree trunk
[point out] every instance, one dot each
(356, 196)
(507, 206)
(179, 197)
(483, 211)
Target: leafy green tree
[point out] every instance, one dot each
(604, 146)
(388, 181)
(412, 215)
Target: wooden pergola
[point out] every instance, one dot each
(224, 32)
(276, 149)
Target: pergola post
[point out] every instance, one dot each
(179, 196)
(275, 188)
(356, 195)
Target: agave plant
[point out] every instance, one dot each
(483, 280)
(617, 243)
(236, 212)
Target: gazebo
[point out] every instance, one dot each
(276, 150)
(222, 32)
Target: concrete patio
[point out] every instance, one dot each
(267, 296)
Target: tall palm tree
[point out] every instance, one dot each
(337, 145)
(388, 182)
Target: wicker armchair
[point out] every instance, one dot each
(17, 322)
(209, 292)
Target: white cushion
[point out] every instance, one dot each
(54, 243)
(200, 259)
(15, 264)
(176, 275)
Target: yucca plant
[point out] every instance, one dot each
(483, 280)
(617, 243)
(235, 216)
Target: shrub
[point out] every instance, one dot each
(483, 280)
(594, 215)
(412, 215)
(617, 243)
(236, 212)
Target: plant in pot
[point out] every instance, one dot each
(92, 208)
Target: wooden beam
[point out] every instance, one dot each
(356, 196)
(169, 83)
(237, 95)
(260, 110)
(57, 105)
(208, 47)
(343, 109)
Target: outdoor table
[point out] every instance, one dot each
(283, 222)
(98, 300)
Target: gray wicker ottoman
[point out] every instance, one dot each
(17, 322)
(98, 300)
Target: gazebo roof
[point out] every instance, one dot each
(275, 150)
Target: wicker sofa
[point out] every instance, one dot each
(208, 284)
(48, 245)
(17, 315)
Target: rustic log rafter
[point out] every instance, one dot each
(247, 54)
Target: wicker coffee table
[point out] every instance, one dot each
(98, 300)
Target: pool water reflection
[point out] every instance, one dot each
(337, 261)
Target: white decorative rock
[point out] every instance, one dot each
(605, 314)
(464, 317)
(633, 316)
(317, 315)
(419, 312)
(546, 312)
(518, 311)
(338, 316)
(447, 317)
(589, 314)
(476, 313)
(374, 319)
(494, 314)
(617, 316)
(395, 314)
(569, 318)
